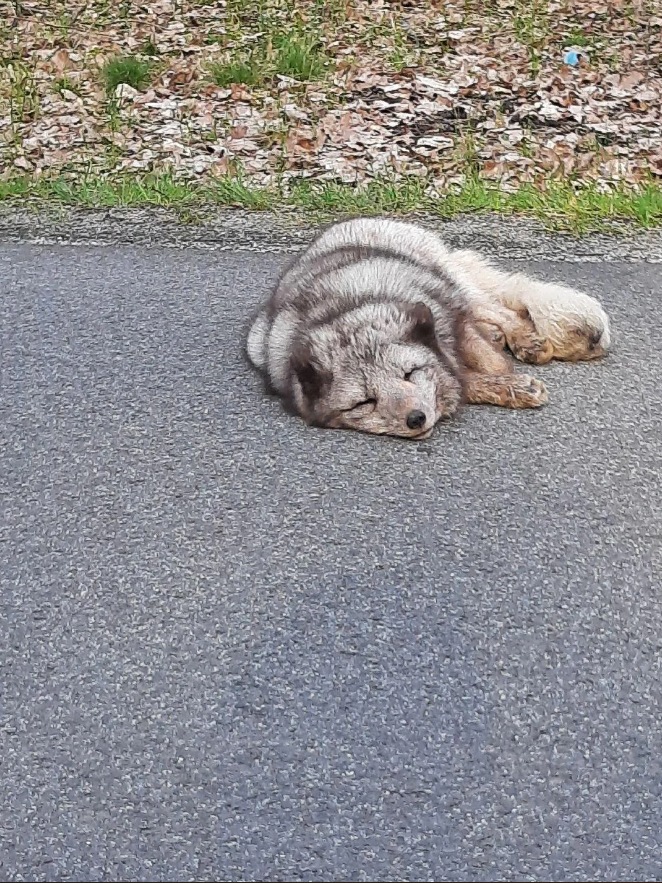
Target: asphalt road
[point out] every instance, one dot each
(236, 648)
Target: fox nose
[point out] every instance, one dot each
(415, 419)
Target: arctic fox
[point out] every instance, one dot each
(379, 327)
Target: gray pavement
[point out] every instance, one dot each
(217, 228)
(236, 648)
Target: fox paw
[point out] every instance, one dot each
(532, 350)
(527, 392)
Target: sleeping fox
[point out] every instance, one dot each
(379, 327)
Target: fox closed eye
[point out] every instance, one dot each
(409, 374)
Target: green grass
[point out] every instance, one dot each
(576, 37)
(149, 48)
(127, 69)
(23, 98)
(293, 55)
(128, 190)
(377, 197)
(560, 207)
(62, 84)
(299, 56)
(530, 21)
(236, 70)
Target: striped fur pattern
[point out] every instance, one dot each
(379, 327)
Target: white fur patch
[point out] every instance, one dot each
(552, 307)
(256, 345)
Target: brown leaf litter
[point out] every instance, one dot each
(438, 90)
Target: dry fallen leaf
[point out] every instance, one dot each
(459, 84)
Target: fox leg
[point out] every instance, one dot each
(515, 330)
(505, 390)
(572, 325)
(490, 377)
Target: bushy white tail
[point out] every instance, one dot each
(554, 308)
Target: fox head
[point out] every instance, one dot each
(378, 369)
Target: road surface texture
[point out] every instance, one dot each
(237, 648)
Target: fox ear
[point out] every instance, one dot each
(312, 377)
(422, 328)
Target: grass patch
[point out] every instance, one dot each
(129, 69)
(375, 198)
(560, 207)
(149, 48)
(231, 191)
(129, 190)
(236, 70)
(161, 190)
(531, 26)
(64, 84)
(15, 187)
(576, 37)
(298, 56)
(23, 94)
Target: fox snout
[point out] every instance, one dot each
(410, 408)
(416, 419)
